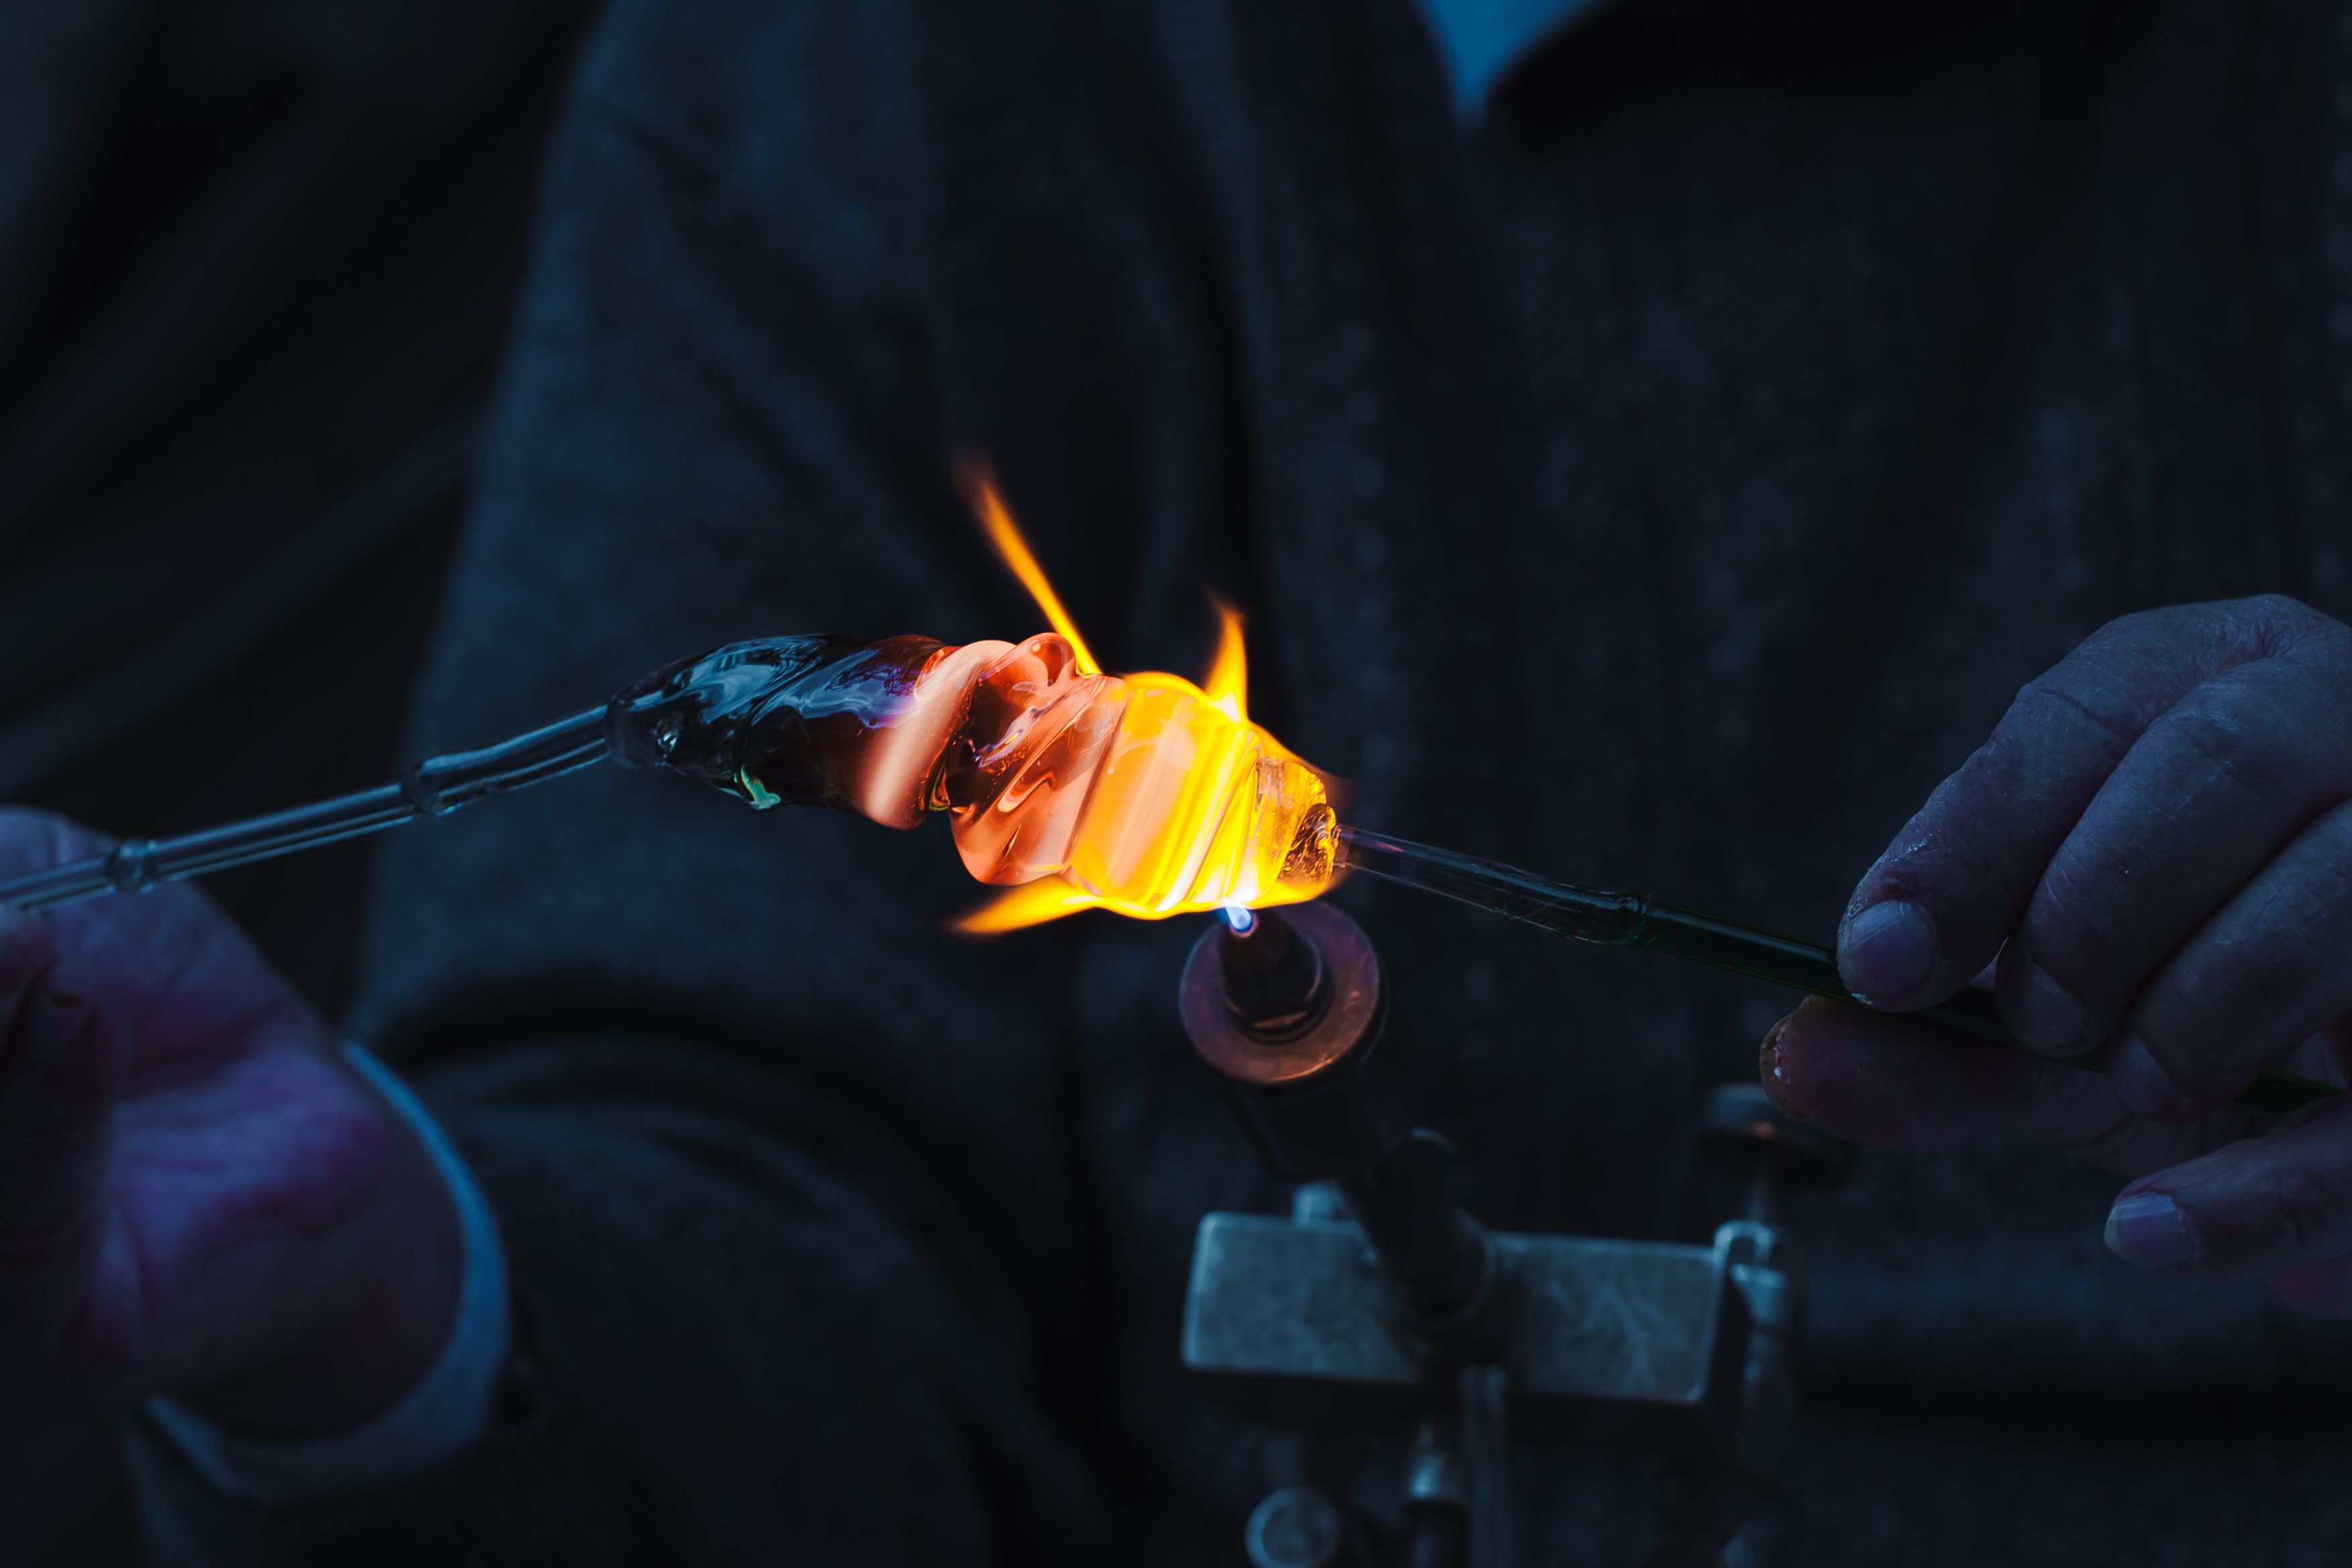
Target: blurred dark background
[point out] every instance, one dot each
(256, 259)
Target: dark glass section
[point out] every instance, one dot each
(774, 721)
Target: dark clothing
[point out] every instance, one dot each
(1662, 485)
(256, 261)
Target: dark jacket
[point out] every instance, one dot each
(1663, 484)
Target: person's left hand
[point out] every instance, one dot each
(2152, 852)
(199, 1197)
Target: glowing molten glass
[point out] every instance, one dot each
(1142, 793)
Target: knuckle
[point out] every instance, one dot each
(2303, 1215)
(2258, 627)
(2070, 931)
(2251, 744)
(2051, 699)
(2267, 953)
(2282, 620)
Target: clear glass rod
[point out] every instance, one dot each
(435, 787)
(1634, 920)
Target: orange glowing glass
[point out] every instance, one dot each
(1141, 793)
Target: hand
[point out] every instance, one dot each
(198, 1196)
(2153, 853)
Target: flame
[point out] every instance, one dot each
(1227, 686)
(1187, 805)
(1031, 904)
(980, 492)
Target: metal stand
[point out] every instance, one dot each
(1707, 1499)
(1380, 1305)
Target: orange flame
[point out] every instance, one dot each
(1029, 904)
(1227, 686)
(980, 493)
(1190, 807)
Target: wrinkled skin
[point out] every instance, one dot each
(2152, 853)
(198, 1197)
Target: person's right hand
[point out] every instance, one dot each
(2151, 856)
(198, 1196)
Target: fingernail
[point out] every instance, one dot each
(1888, 948)
(2143, 1085)
(1768, 1069)
(2043, 1011)
(2148, 1229)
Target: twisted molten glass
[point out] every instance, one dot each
(1144, 793)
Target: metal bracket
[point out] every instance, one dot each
(1289, 1322)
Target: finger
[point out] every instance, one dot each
(2078, 1111)
(1939, 905)
(2213, 790)
(1894, 1083)
(2266, 972)
(2258, 1206)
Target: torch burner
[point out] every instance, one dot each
(1295, 1021)
(1276, 986)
